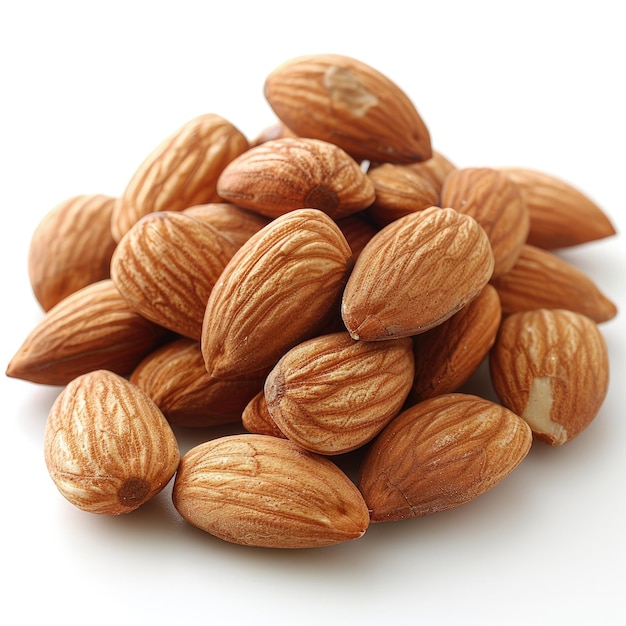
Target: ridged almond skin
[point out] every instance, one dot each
(258, 490)
(281, 287)
(165, 267)
(551, 367)
(400, 190)
(71, 248)
(347, 102)
(107, 446)
(541, 279)
(415, 273)
(447, 355)
(332, 394)
(175, 377)
(496, 203)
(440, 454)
(180, 172)
(92, 328)
(435, 169)
(295, 173)
(257, 419)
(358, 230)
(560, 214)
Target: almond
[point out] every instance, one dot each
(415, 273)
(71, 248)
(541, 279)
(165, 267)
(281, 287)
(440, 454)
(435, 169)
(332, 394)
(294, 173)
(277, 130)
(552, 368)
(345, 101)
(560, 214)
(358, 230)
(258, 490)
(107, 446)
(257, 419)
(180, 172)
(92, 328)
(496, 203)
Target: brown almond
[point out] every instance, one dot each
(256, 417)
(358, 230)
(435, 169)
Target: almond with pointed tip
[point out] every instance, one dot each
(257, 419)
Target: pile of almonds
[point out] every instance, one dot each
(325, 288)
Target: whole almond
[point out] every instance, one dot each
(180, 172)
(71, 248)
(345, 101)
(552, 368)
(165, 267)
(332, 394)
(435, 169)
(541, 279)
(107, 446)
(295, 173)
(440, 454)
(496, 203)
(415, 273)
(258, 490)
(92, 328)
(281, 287)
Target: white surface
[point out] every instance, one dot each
(88, 92)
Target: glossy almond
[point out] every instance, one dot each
(295, 173)
(496, 203)
(258, 490)
(281, 287)
(541, 279)
(71, 248)
(165, 267)
(180, 172)
(415, 273)
(561, 215)
(347, 102)
(92, 328)
(440, 454)
(332, 394)
(552, 368)
(107, 446)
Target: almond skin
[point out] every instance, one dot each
(358, 230)
(71, 248)
(440, 454)
(257, 419)
(552, 368)
(258, 490)
(560, 214)
(281, 287)
(541, 279)
(415, 273)
(93, 328)
(294, 173)
(435, 169)
(180, 172)
(496, 203)
(346, 102)
(332, 394)
(107, 446)
(165, 267)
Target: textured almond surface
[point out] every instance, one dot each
(263, 491)
(332, 394)
(93, 328)
(435, 169)
(180, 172)
(440, 454)
(71, 248)
(552, 368)
(107, 446)
(415, 273)
(345, 101)
(358, 230)
(165, 267)
(281, 287)
(257, 419)
(541, 279)
(296, 173)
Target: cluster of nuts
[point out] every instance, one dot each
(325, 288)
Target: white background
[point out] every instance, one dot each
(88, 89)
